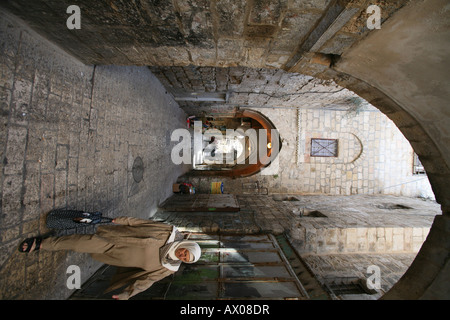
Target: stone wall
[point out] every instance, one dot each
(344, 268)
(373, 157)
(69, 136)
(360, 223)
(338, 237)
(257, 33)
(253, 87)
(321, 224)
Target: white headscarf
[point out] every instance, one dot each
(167, 252)
(192, 246)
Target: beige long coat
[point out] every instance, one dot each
(135, 241)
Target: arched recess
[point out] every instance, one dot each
(249, 169)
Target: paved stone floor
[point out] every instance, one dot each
(70, 134)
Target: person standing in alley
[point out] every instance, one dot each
(145, 251)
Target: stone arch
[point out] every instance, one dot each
(347, 159)
(377, 76)
(411, 49)
(422, 278)
(247, 170)
(427, 277)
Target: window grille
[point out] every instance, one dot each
(324, 147)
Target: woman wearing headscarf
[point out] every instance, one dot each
(145, 251)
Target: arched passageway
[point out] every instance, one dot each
(255, 160)
(400, 69)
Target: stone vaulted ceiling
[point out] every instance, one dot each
(220, 90)
(220, 53)
(223, 33)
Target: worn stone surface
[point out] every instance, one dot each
(116, 29)
(364, 224)
(373, 156)
(260, 88)
(260, 33)
(70, 134)
(353, 233)
(345, 224)
(426, 66)
(338, 268)
(432, 261)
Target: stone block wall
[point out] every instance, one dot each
(257, 33)
(353, 233)
(321, 224)
(341, 268)
(254, 87)
(373, 157)
(350, 234)
(69, 136)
